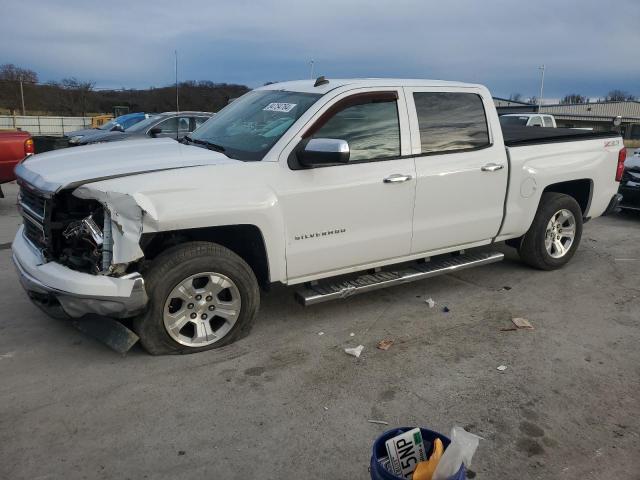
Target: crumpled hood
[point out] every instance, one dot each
(71, 167)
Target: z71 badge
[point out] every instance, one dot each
(326, 233)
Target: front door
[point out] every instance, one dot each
(341, 217)
(461, 168)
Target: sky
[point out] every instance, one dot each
(587, 46)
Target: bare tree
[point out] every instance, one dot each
(532, 100)
(77, 92)
(573, 98)
(10, 72)
(619, 96)
(515, 97)
(13, 80)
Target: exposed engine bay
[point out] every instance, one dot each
(80, 233)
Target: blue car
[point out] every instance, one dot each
(119, 124)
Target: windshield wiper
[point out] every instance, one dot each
(209, 145)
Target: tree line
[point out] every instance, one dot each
(73, 97)
(615, 95)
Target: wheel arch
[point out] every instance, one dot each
(581, 190)
(245, 240)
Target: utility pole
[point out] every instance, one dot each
(312, 64)
(22, 96)
(177, 101)
(542, 67)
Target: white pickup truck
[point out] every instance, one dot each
(338, 186)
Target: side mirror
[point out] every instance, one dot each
(117, 128)
(324, 151)
(155, 131)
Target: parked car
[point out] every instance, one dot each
(164, 125)
(334, 186)
(630, 184)
(14, 147)
(528, 120)
(120, 123)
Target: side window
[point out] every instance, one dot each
(199, 121)
(450, 121)
(183, 124)
(535, 122)
(372, 130)
(547, 121)
(170, 125)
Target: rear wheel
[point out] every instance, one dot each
(201, 296)
(555, 232)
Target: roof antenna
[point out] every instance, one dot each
(320, 81)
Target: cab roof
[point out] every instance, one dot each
(307, 86)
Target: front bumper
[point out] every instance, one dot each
(55, 287)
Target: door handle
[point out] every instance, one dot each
(397, 178)
(491, 167)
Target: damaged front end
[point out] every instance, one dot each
(79, 253)
(85, 230)
(81, 235)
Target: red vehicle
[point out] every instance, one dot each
(15, 146)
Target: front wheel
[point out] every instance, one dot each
(201, 296)
(555, 232)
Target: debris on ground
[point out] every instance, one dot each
(506, 287)
(502, 368)
(354, 351)
(352, 334)
(320, 333)
(385, 344)
(112, 333)
(378, 422)
(430, 302)
(446, 309)
(522, 323)
(326, 408)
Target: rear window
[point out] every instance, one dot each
(506, 121)
(450, 121)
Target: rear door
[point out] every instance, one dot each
(461, 168)
(344, 216)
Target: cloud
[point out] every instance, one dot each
(587, 46)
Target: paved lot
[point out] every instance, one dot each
(288, 403)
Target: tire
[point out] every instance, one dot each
(202, 279)
(534, 248)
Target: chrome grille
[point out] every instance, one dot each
(34, 209)
(32, 202)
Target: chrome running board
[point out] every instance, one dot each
(324, 291)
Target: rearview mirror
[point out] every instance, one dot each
(155, 131)
(324, 151)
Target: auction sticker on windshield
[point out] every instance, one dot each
(280, 107)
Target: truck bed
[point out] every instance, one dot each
(517, 136)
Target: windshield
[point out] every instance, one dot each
(131, 121)
(511, 121)
(109, 125)
(247, 128)
(143, 125)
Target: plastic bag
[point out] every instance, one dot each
(461, 449)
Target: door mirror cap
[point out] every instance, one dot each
(117, 128)
(324, 151)
(155, 131)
